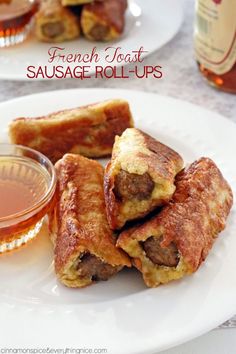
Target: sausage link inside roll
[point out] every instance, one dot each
(84, 245)
(103, 20)
(139, 177)
(89, 130)
(177, 240)
(54, 23)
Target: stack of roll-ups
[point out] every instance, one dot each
(98, 20)
(144, 210)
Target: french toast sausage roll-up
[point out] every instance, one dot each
(55, 23)
(89, 130)
(75, 2)
(139, 177)
(84, 245)
(176, 241)
(103, 20)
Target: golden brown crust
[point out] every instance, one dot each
(202, 195)
(192, 220)
(104, 20)
(54, 23)
(138, 153)
(79, 223)
(88, 130)
(75, 2)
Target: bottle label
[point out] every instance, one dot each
(215, 34)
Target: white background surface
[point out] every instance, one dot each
(220, 341)
(181, 79)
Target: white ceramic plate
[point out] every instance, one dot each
(122, 315)
(149, 23)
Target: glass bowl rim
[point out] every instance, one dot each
(50, 190)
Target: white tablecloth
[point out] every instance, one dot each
(220, 341)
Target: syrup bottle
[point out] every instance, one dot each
(215, 42)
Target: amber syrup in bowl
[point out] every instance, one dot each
(27, 188)
(16, 20)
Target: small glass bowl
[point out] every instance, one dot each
(16, 20)
(27, 189)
